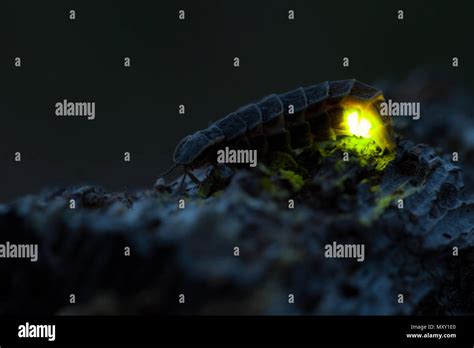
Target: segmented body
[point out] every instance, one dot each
(288, 121)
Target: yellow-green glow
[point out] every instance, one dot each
(364, 128)
(358, 125)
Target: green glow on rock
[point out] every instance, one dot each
(366, 151)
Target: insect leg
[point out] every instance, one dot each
(193, 177)
(181, 185)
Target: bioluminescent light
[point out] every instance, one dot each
(358, 125)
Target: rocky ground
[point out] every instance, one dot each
(191, 251)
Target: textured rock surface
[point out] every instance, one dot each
(446, 113)
(190, 250)
(409, 251)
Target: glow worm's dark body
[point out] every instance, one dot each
(288, 121)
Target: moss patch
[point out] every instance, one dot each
(295, 180)
(366, 151)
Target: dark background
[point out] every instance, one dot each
(189, 62)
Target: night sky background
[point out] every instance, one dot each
(186, 62)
